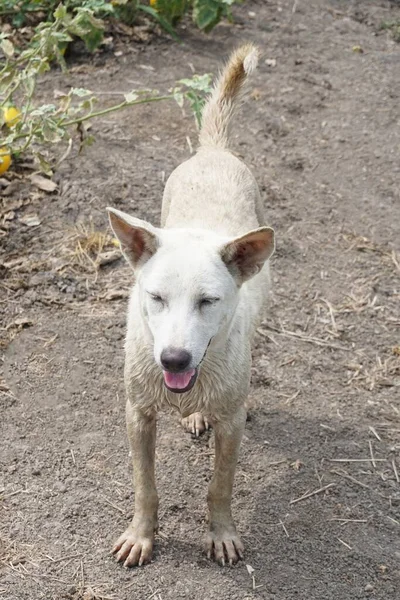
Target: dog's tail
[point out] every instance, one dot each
(221, 104)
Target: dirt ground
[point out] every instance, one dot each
(320, 132)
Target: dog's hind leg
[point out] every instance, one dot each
(196, 423)
(135, 545)
(222, 541)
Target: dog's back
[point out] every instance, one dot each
(214, 189)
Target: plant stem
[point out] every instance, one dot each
(99, 113)
(114, 108)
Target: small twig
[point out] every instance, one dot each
(189, 143)
(372, 454)
(21, 491)
(284, 528)
(276, 463)
(63, 558)
(82, 576)
(332, 316)
(373, 430)
(350, 460)
(309, 494)
(50, 341)
(344, 544)
(395, 471)
(344, 521)
(350, 478)
(292, 397)
(305, 338)
(318, 476)
(45, 576)
(153, 594)
(121, 510)
(268, 336)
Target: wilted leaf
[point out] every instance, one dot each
(81, 92)
(131, 96)
(45, 109)
(47, 185)
(30, 220)
(250, 569)
(179, 98)
(45, 166)
(20, 322)
(7, 47)
(106, 258)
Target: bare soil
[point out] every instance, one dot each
(321, 133)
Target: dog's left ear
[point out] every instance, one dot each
(138, 239)
(246, 255)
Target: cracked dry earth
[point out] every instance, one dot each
(320, 132)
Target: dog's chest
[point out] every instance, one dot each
(216, 393)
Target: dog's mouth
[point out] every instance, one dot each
(179, 383)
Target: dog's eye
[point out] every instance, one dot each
(156, 298)
(207, 302)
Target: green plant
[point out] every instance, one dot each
(208, 13)
(205, 13)
(196, 90)
(39, 128)
(19, 11)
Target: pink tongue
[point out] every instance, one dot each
(178, 381)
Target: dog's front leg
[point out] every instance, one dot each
(222, 539)
(135, 545)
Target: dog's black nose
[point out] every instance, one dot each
(175, 359)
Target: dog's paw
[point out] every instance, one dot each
(224, 545)
(195, 423)
(133, 548)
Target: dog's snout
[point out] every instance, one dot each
(175, 359)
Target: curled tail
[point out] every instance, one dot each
(221, 104)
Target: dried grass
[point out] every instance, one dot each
(382, 373)
(92, 249)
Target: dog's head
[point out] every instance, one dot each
(188, 284)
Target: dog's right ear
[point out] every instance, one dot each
(138, 239)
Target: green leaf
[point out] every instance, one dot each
(160, 19)
(198, 82)
(60, 12)
(87, 142)
(88, 28)
(43, 66)
(172, 10)
(206, 14)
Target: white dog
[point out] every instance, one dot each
(201, 282)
